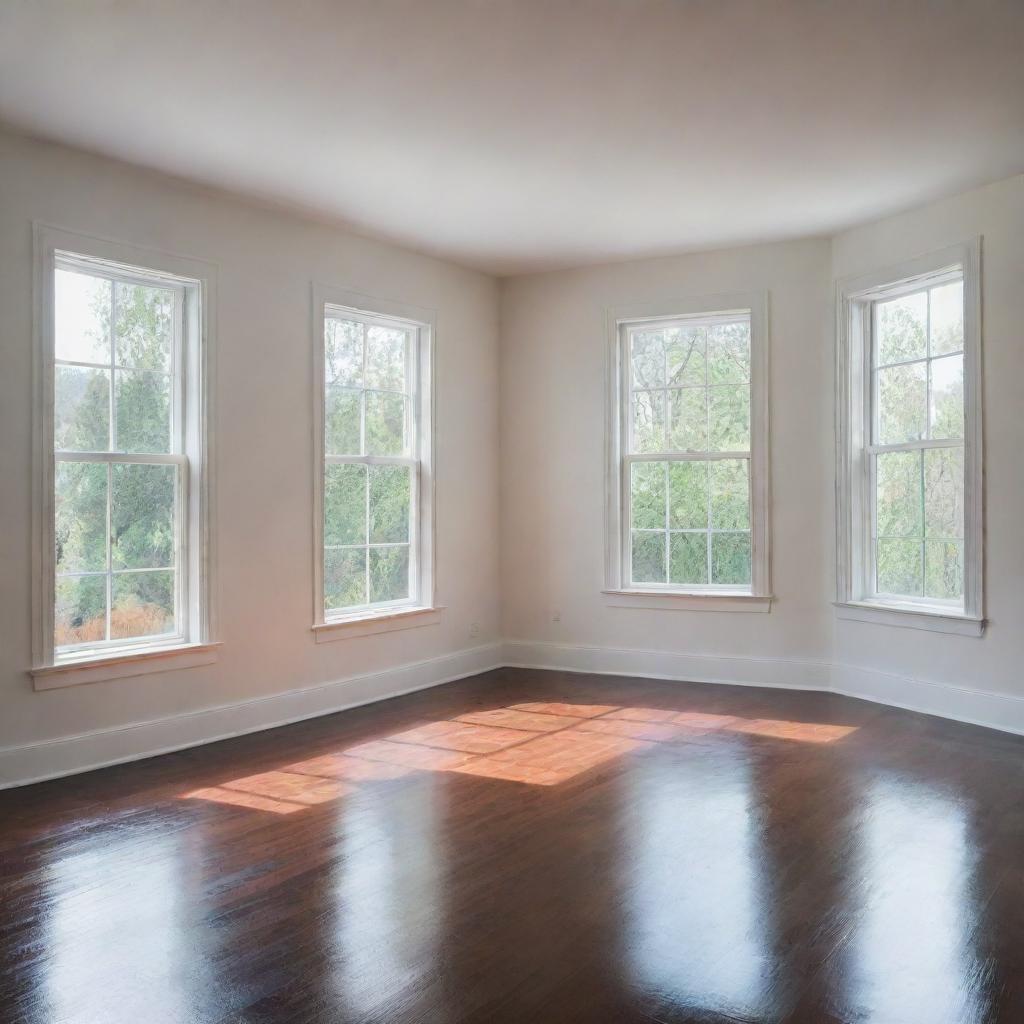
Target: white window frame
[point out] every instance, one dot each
(420, 608)
(708, 597)
(193, 283)
(855, 597)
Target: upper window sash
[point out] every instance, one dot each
(859, 443)
(117, 274)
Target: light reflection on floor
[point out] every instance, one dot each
(123, 895)
(382, 911)
(697, 937)
(912, 956)
(541, 744)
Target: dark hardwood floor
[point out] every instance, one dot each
(531, 847)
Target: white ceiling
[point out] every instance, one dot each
(517, 135)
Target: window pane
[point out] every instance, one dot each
(143, 337)
(648, 495)
(898, 508)
(142, 411)
(389, 574)
(647, 358)
(649, 421)
(944, 493)
(389, 504)
(385, 358)
(344, 577)
(947, 318)
(81, 409)
(902, 403)
(648, 557)
(385, 423)
(729, 354)
(341, 427)
(685, 348)
(344, 505)
(902, 329)
(80, 610)
(944, 569)
(688, 429)
(80, 516)
(343, 352)
(730, 558)
(142, 604)
(81, 317)
(688, 496)
(142, 516)
(688, 558)
(947, 398)
(899, 567)
(730, 495)
(730, 418)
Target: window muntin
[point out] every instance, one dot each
(120, 472)
(371, 463)
(686, 465)
(915, 454)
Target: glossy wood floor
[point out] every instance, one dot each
(531, 847)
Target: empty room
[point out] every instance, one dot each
(511, 512)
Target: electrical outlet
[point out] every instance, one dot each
(556, 616)
(474, 629)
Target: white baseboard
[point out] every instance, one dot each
(975, 707)
(790, 674)
(68, 755)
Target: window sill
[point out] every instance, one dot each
(374, 623)
(99, 668)
(910, 618)
(723, 601)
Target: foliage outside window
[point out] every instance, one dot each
(917, 450)
(371, 464)
(120, 470)
(686, 460)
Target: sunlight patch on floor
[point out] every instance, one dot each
(538, 743)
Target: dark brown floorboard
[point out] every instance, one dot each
(647, 852)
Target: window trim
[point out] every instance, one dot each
(854, 297)
(112, 659)
(617, 590)
(421, 609)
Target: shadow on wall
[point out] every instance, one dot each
(535, 743)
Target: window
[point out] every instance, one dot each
(910, 522)
(689, 465)
(124, 526)
(373, 505)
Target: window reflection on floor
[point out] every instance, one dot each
(912, 956)
(384, 920)
(123, 897)
(695, 935)
(537, 743)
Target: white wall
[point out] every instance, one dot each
(992, 663)
(553, 466)
(262, 406)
